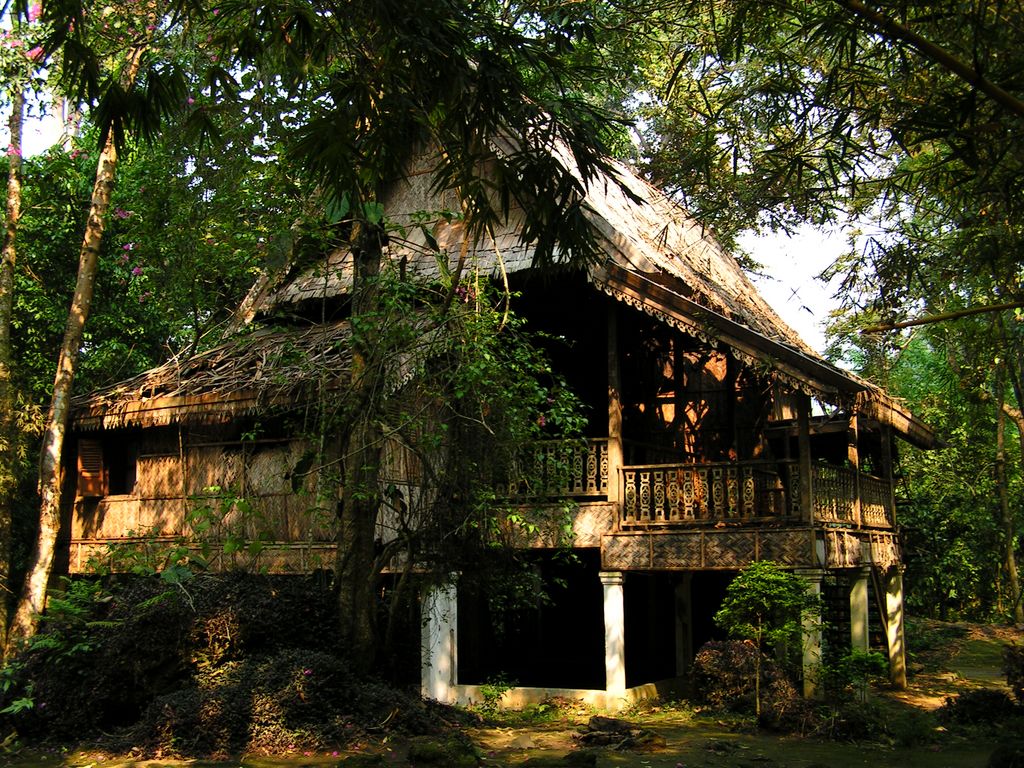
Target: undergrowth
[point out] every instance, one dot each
(225, 664)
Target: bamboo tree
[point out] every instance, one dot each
(19, 59)
(9, 435)
(1005, 513)
(33, 595)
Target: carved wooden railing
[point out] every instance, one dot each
(564, 469)
(834, 494)
(876, 502)
(671, 494)
(666, 494)
(835, 491)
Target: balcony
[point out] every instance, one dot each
(674, 495)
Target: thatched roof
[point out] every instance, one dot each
(637, 227)
(655, 257)
(252, 372)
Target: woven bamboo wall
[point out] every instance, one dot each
(279, 501)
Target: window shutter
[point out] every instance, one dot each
(90, 469)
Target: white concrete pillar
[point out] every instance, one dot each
(811, 634)
(438, 658)
(894, 633)
(859, 640)
(614, 632)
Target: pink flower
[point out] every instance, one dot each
(136, 271)
(216, 11)
(13, 151)
(34, 12)
(36, 54)
(128, 246)
(125, 258)
(121, 213)
(191, 101)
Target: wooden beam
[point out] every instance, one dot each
(853, 457)
(817, 374)
(804, 458)
(615, 457)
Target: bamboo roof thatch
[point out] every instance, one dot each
(254, 371)
(637, 228)
(653, 256)
(656, 257)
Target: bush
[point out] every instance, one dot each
(1013, 666)
(236, 662)
(295, 699)
(981, 706)
(723, 676)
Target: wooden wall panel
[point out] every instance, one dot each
(158, 477)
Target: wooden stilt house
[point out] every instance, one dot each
(716, 437)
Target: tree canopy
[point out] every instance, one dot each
(252, 130)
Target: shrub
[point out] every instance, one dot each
(981, 706)
(1013, 666)
(766, 604)
(723, 676)
(236, 662)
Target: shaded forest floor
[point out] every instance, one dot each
(905, 728)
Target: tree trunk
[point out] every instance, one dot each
(9, 437)
(1005, 513)
(33, 594)
(361, 493)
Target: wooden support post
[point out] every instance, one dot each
(811, 634)
(894, 633)
(438, 657)
(853, 456)
(803, 439)
(889, 471)
(615, 458)
(859, 640)
(614, 633)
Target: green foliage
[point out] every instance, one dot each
(1013, 666)
(854, 671)
(948, 500)
(10, 687)
(474, 383)
(492, 692)
(766, 604)
(71, 620)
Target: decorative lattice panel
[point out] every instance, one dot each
(885, 550)
(677, 550)
(842, 549)
(787, 547)
(622, 552)
(729, 550)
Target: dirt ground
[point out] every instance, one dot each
(952, 659)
